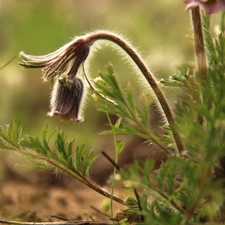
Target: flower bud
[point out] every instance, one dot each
(62, 66)
(67, 98)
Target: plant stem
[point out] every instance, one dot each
(199, 41)
(103, 35)
(222, 22)
(199, 47)
(85, 180)
(134, 189)
(116, 162)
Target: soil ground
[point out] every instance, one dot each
(48, 195)
(32, 195)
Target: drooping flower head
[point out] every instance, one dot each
(210, 6)
(57, 62)
(62, 66)
(67, 98)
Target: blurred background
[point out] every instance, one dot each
(160, 29)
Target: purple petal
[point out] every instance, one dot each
(66, 99)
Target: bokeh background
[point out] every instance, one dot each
(160, 29)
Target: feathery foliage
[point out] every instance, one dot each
(188, 188)
(45, 154)
(134, 115)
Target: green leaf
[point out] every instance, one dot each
(10, 136)
(131, 202)
(82, 160)
(118, 122)
(126, 129)
(110, 88)
(130, 98)
(119, 146)
(143, 112)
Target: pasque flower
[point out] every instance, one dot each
(66, 99)
(63, 66)
(210, 6)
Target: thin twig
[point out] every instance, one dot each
(110, 160)
(60, 217)
(100, 212)
(7, 63)
(58, 223)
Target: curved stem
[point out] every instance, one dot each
(102, 35)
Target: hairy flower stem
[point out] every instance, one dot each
(199, 41)
(199, 47)
(102, 35)
(86, 181)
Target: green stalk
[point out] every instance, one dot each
(116, 161)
